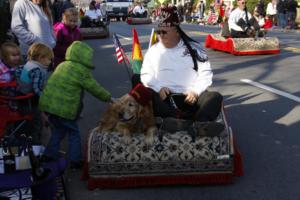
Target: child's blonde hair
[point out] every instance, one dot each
(39, 50)
(70, 12)
(6, 48)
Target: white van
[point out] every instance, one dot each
(118, 8)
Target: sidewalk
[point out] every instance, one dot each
(276, 29)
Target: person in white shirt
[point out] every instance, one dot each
(92, 16)
(241, 23)
(178, 72)
(272, 11)
(259, 18)
(139, 10)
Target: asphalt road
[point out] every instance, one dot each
(266, 125)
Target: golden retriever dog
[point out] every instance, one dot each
(127, 116)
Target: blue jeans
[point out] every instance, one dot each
(292, 17)
(60, 127)
(282, 21)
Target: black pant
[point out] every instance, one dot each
(140, 15)
(207, 108)
(244, 26)
(87, 22)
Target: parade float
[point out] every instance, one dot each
(243, 46)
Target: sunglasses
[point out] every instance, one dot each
(161, 32)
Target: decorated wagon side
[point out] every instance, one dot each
(243, 46)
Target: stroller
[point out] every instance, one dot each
(14, 107)
(22, 175)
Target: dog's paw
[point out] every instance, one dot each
(149, 137)
(149, 140)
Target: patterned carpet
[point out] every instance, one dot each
(174, 159)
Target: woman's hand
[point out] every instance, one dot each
(191, 97)
(164, 92)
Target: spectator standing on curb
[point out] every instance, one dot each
(281, 11)
(261, 8)
(5, 19)
(57, 7)
(292, 6)
(32, 23)
(272, 11)
(201, 9)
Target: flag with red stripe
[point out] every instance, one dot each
(119, 50)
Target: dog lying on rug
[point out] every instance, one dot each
(132, 113)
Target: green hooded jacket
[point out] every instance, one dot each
(63, 93)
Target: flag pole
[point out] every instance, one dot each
(153, 38)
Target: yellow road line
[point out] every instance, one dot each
(197, 33)
(292, 49)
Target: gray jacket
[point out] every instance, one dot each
(30, 24)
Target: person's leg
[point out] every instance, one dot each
(75, 154)
(293, 20)
(275, 20)
(85, 22)
(37, 126)
(144, 14)
(225, 30)
(285, 19)
(242, 23)
(253, 22)
(282, 20)
(162, 108)
(58, 132)
(209, 106)
(238, 34)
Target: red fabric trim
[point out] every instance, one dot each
(228, 46)
(85, 169)
(139, 181)
(237, 159)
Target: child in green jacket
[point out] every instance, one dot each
(62, 100)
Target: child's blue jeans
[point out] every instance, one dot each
(61, 127)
